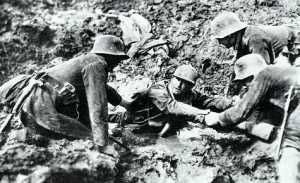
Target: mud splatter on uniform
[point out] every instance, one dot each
(267, 41)
(71, 113)
(271, 86)
(156, 106)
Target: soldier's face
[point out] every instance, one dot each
(112, 63)
(227, 41)
(180, 86)
(244, 85)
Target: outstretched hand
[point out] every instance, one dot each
(212, 119)
(109, 150)
(199, 118)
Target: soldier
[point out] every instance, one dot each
(276, 85)
(168, 105)
(69, 99)
(290, 53)
(268, 41)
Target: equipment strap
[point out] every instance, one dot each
(284, 121)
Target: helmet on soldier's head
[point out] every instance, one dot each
(225, 24)
(187, 73)
(109, 45)
(248, 65)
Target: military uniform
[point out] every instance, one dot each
(268, 41)
(69, 99)
(71, 112)
(156, 106)
(271, 86)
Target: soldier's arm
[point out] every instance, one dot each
(167, 105)
(216, 104)
(260, 45)
(94, 78)
(256, 94)
(113, 96)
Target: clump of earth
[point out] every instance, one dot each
(38, 34)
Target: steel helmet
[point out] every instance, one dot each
(225, 24)
(187, 73)
(248, 65)
(110, 45)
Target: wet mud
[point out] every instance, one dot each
(198, 155)
(38, 34)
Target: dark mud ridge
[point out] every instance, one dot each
(38, 34)
(193, 155)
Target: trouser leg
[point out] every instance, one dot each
(39, 108)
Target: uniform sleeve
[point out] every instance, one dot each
(260, 45)
(160, 97)
(216, 104)
(256, 94)
(113, 96)
(94, 78)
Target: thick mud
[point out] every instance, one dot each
(198, 155)
(38, 34)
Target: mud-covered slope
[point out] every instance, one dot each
(199, 155)
(38, 34)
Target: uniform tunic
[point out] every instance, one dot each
(268, 41)
(270, 87)
(72, 115)
(157, 105)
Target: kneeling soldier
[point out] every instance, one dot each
(276, 85)
(69, 99)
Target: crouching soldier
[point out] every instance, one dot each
(70, 99)
(167, 105)
(268, 41)
(274, 85)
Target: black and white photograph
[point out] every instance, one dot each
(149, 91)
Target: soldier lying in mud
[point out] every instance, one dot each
(276, 85)
(70, 99)
(167, 105)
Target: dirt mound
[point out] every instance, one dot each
(199, 155)
(33, 33)
(25, 158)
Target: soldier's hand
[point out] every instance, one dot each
(235, 99)
(212, 119)
(109, 150)
(199, 118)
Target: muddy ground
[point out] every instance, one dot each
(38, 34)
